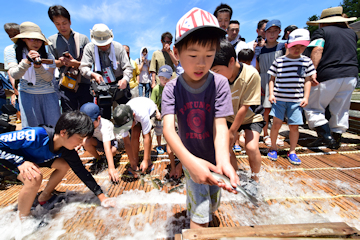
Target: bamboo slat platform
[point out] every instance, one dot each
(324, 188)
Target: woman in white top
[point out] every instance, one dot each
(38, 101)
(144, 79)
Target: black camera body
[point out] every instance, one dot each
(103, 93)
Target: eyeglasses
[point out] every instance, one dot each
(168, 42)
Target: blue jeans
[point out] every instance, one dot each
(147, 89)
(39, 109)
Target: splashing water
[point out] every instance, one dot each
(286, 198)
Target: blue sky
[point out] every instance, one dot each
(140, 23)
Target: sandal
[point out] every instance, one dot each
(237, 148)
(267, 141)
(272, 155)
(293, 158)
(50, 204)
(160, 150)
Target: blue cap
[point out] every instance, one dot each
(165, 71)
(273, 23)
(91, 109)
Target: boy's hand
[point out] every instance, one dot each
(158, 115)
(176, 172)
(113, 175)
(233, 135)
(29, 170)
(200, 172)
(272, 99)
(304, 102)
(228, 170)
(108, 202)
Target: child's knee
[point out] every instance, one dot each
(293, 128)
(277, 123)
(34, 183)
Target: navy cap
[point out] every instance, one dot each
(165, 71)
(273, 23)
(91, 109)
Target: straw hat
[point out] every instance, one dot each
(331, 15)
(30, 30)
(101, 35)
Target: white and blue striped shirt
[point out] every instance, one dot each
(290, 77)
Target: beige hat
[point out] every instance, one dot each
(331, 15)
(30, 30)
(101, 35)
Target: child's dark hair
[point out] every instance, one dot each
(58, 10)
(20, 45)
(225, 53)
(223, 8)
(203, 37)
(75, 122)
(246, 55)
(166, 34)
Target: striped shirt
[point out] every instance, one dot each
(290, 77)
(41, 86)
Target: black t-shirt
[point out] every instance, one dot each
(339, 58)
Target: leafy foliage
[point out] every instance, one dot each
(351, 8)
(312, 28)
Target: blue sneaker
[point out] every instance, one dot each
(293, 158)
(272, 155)
(237, 148)
(160, 150)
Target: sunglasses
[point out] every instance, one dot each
(168, 42)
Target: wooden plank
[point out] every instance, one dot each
(178, 237)
(355, 105)
(287, 230)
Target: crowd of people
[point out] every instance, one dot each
(200, 96)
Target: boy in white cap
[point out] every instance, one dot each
(201, 101)
(109, 62)
(289, 88)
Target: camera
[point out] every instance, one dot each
(107, 93)
(102, 93)
(259, 38)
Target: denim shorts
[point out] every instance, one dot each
(201, 200)
(291, 110)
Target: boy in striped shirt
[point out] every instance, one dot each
(289, 89)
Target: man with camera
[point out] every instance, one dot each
(259, 42)
(106, 62)
(67, 48)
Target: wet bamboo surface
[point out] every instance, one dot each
(320, 168)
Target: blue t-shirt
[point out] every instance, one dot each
(196, 110)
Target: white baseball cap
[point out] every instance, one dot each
(196, 19)
(299, 36)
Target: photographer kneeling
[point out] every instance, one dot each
(106, 62)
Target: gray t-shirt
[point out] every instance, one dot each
(196, 110)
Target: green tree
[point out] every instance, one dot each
(312, 28)
(351, 8)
